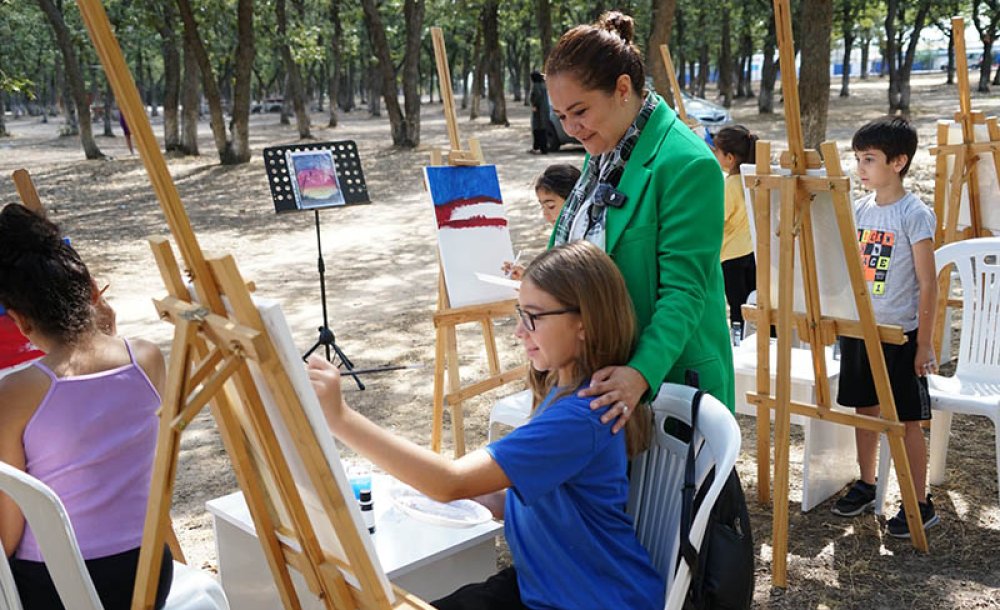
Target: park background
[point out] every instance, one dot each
(243, 75)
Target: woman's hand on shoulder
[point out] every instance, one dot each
(618, 387)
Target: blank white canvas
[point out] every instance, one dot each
(281, 336)
(986, 176)
(836, 296)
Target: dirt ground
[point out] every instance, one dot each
(382, 280)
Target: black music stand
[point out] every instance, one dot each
(284, 165)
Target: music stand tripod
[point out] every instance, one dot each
(326, 337)
(312, 177)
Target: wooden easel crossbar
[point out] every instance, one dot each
(223, 355)
(447, 318)
(797, 192)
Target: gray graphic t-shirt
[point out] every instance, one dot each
(886, 234)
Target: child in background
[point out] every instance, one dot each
(82, 419)
(895, 235)
(559, 481)
(552, 188)
(733, 147)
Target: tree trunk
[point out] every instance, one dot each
(413, 12)
(899, 75)
(238, 146)
(494, 63)
(726, 59)
(76, 88)
(745, 86)
(295, 88)
(335, 59)
(703, 67)
(109, 98)
(544, 15)
(866, 43)
(193, 41)
(950, 80)
(3, 119)
(478, 80)
(190, 102)
(814, 75)
(165, 21)
(986, 66)
(845, 78)
(663, 22)
(679, 61)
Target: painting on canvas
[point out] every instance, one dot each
(472, 231)
(314, 179)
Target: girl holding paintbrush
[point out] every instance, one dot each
(82, 419)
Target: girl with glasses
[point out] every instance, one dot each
(559, 481)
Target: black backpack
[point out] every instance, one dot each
(722, 572)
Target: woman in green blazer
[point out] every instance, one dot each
(651, 195)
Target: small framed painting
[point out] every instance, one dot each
(314, 179)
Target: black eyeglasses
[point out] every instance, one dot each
(528, 318)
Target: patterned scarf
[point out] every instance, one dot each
(582, 217)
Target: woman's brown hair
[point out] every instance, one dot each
(596, 55)
(580, 275)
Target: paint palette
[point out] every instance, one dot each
(460, 513)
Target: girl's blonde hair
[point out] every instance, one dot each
(580, 275)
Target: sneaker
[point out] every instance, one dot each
(897, 525)
(859, 498)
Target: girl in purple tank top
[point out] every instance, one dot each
(82, 419)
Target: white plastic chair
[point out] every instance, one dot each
(513, 411)
(191, 589)
(657, 480)
(975, 387)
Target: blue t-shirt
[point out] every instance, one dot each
(573, 545)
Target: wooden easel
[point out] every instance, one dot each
(675, 88)
(795, 223)
(210, 360)
(948, 187)
(446, 318)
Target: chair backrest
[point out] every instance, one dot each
(657, 479)
(50, 524)
(978, 265)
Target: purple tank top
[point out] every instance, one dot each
(92, 440)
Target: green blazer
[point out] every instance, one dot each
(666, 241)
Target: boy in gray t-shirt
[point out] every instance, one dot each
(895, 238)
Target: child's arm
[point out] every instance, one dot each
(19, 396)
(923, 263)
(442, 479)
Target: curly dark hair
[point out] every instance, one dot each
(41, 277)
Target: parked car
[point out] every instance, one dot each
(712, 116)
(271, 104)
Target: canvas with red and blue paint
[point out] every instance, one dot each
(472, 231)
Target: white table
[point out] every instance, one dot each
(428, 560)
(829, 458)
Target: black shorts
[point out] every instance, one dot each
(857, 388)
